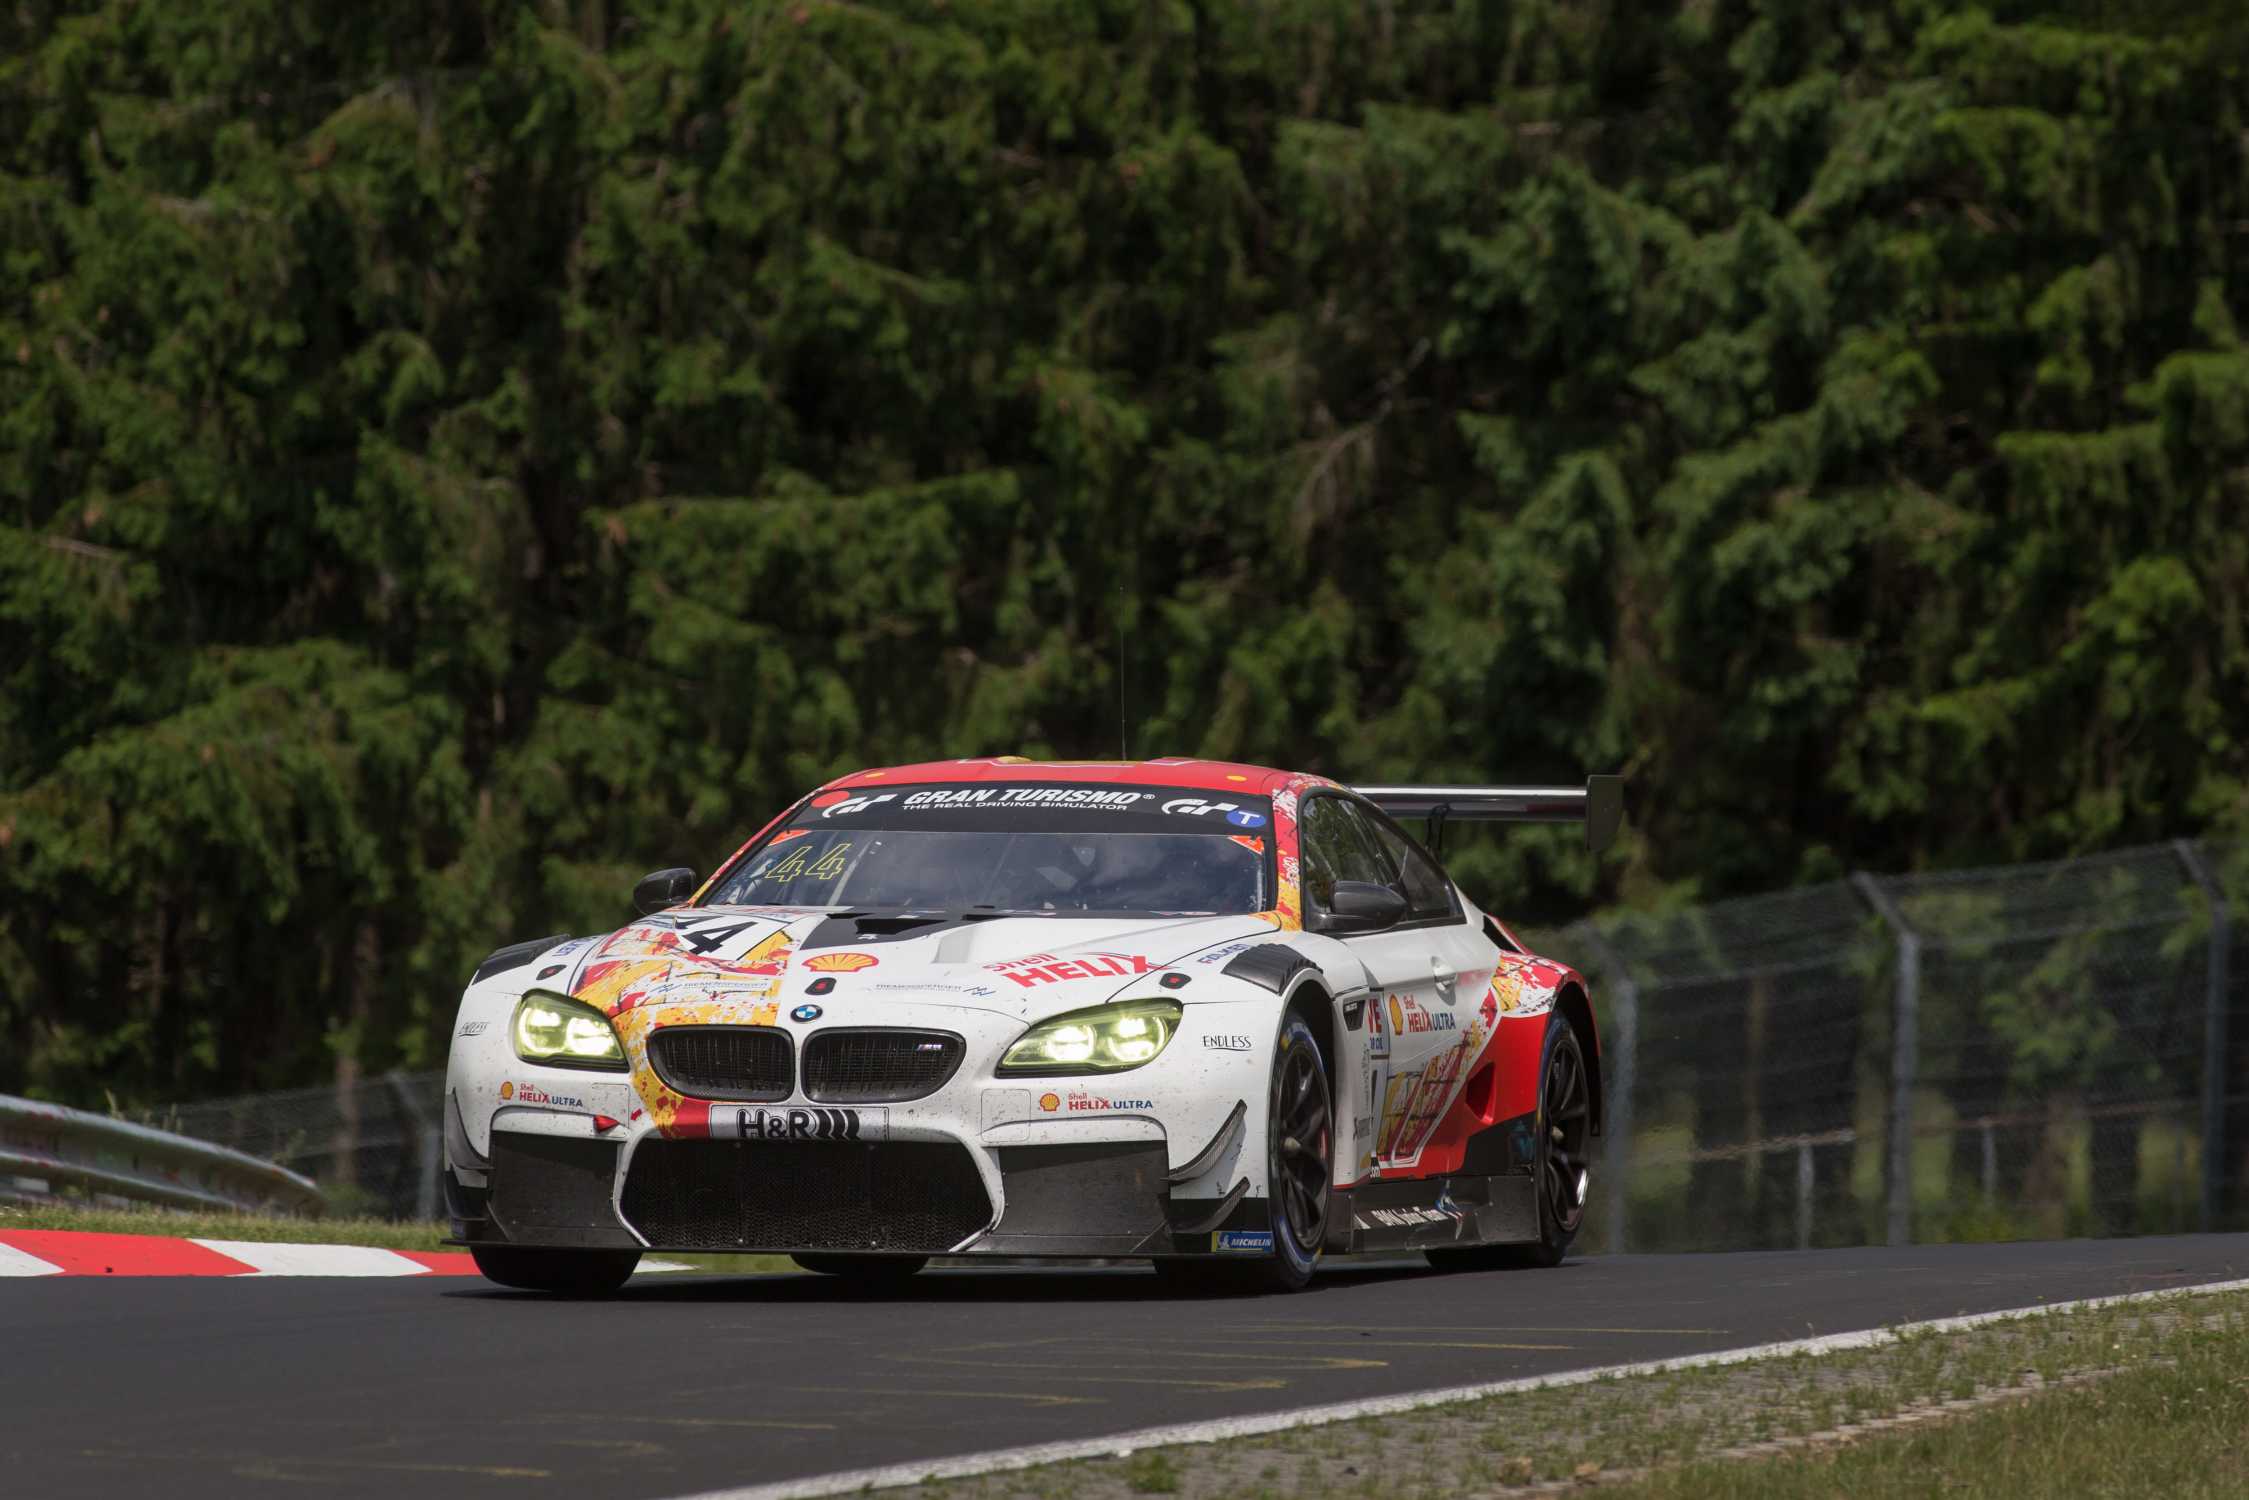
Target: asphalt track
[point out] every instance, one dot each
(244, 1386)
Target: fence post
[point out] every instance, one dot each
(2213, 1033)
(1804, 1194)
(428, 1143)
(1905, 1050)
(1621, 1052)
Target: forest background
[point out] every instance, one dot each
(458, 455)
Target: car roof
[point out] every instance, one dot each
(1200, 775)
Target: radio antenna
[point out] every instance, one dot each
(1124, 721)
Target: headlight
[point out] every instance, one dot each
(1108, 1040)
(565, 1033)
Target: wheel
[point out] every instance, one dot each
(1297, 1156)
(1559, 1166)
(862, 1268)
(573, 1273)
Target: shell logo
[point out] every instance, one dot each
(507, 1091)
(841, 963)
(1050, 1102)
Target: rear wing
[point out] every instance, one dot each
(1599, 805)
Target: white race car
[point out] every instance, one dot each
(1223, 1017)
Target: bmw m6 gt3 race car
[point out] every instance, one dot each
(1223, 1017)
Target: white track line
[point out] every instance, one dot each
(1218, 1429)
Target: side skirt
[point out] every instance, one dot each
(1431, 1213)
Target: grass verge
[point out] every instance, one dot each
(384, 1233)
(2136, 1399)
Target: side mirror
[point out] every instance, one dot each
(662, 889)
(1362, 906)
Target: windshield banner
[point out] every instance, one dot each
(989, 807)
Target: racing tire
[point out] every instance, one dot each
(1299, 1164)
(569, 1273)
(868, 1270)
(1558, 1168)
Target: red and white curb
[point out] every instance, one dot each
(70, 1252)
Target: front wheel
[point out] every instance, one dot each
(1297, 1157)
(1560, 1164)
(570, 1273)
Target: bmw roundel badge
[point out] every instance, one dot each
(805, 1013)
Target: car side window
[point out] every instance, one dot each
(1429, 896)
(1334, 846)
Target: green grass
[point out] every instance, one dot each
(384, 1233)
(2147, 1398)
(2175, 1425)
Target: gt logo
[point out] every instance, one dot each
(1195, 807)
(857, 804)
(804, 1124)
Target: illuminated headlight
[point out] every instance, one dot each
(1107, 1040)
(565, 1033)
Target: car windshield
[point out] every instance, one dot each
(1092, 848)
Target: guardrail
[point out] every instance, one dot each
(116, 1158)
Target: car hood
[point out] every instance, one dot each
(1025, 967)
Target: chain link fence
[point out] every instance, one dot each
(376, 1146)
(2030, 1051)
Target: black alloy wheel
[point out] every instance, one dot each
(1299, 1152)
(1565, 1117)
(568, 1273)
(1561, 1165)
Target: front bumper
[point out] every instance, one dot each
(919, 1197)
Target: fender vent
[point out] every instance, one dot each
(1272, 965)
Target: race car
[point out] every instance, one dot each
(1226, 1018)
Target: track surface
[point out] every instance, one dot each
(243, 1386)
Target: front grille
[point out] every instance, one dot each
(915, 1196)
(849, 1066)
(750, 1063)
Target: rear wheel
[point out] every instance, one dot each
(572, 1273)
(1297, 1157)
(1560, 1164)
(862, 1268)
